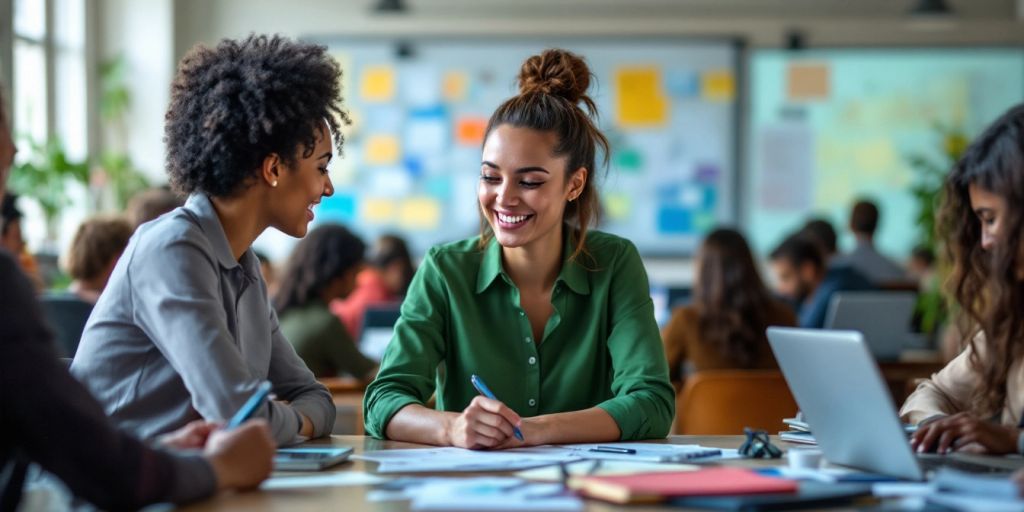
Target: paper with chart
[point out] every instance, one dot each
(448, 459)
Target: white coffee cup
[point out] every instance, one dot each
(804, 458)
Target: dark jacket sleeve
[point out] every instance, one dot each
(50, 419)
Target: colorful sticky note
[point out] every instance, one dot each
(420, 213)
(427, 132)
(704, 221)
(807, 81)
(454, 86)
(682, 83)
(378, 84)
(640, 102)
(675, 220)
(618, 205)
(629, 159)
(469, 131)
(718, 86)
(707, 173)
(382, 150)
(340, 207)
(377, 210)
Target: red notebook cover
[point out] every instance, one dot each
(704, 482)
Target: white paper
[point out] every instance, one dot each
(494, 494)
(974, 502)
(902, 489)
(326, 480)
(418, 460)
(600, 467)
(786, 161)
(651, 452)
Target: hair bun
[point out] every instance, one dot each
(558, 73)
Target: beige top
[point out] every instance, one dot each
(949, 391)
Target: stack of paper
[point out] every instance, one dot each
(799, 431)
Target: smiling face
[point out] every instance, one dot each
(523, 187)
(991, 211)
(300, 186)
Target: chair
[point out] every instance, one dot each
(66, 315)
(723, 402)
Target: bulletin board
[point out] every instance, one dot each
(411, 159)
(830, 126)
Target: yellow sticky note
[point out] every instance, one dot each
(807, 81)
(640, 101)
(419, 213)
(382, 150)
(718, 86)
(379, 211)
(378, 84)
(618, 206)
(454, 86)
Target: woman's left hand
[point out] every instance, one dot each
(963, 432)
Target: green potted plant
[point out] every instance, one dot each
(930, 175)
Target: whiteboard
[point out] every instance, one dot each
(830, 126)
(412, 156)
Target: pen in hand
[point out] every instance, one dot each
(251, 406)
(478, 383)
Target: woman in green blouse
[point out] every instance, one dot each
(558, 321)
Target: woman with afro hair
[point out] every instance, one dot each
(184, 329)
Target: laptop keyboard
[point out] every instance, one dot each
(929, 464)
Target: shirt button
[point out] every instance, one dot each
(532, 402)
(532, 360)
(522, 313)
(529, 339)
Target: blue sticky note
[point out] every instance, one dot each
(675, 220)
(341, 207)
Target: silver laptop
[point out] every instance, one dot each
(883, 317)
(843, 397)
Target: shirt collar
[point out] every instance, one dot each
(572, 274)
(202, 208)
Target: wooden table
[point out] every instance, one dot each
(352, 498)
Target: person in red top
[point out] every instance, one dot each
(383, 282)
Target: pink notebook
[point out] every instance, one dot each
(654, 487)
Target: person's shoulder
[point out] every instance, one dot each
(170, 233)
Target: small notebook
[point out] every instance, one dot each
(656, 487)
(309, 459)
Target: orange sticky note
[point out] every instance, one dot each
(807, 81)
(469, 131)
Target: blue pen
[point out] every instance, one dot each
(478, 383)
(251, 406)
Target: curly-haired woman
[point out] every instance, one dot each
(975, 403)
(184, 329)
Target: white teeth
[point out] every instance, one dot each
(512, 219)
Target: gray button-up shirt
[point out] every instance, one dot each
(183, 331)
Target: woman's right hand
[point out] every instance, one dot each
(242, 457)
(484, 424)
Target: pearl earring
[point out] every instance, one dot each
(273, 183)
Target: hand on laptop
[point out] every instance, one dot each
(963, 432)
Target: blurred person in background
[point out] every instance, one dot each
(384, 281)
(322, 268)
